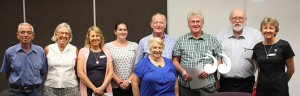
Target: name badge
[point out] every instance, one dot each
(103, 56)
(272, 54)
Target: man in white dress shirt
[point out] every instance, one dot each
(238, 41)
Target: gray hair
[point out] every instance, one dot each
(62, 25)
(151, 41)
(157, 14)
(24, 24)
(195, 13)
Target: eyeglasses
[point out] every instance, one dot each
(237, 18)
(62, 33)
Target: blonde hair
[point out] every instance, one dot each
(270, 20)
(98, 31)
(195, 13)
(62, 25)
(153, 40)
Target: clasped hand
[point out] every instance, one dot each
(123, 84)
(99, 90)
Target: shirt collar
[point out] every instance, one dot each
(163, 38)
(231, 35)
(203, 36)
(19, 48)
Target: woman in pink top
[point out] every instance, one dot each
(94, 65)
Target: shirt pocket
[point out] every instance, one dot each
(248, 51)
(37, 67)
(16, 67)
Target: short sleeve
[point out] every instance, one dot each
(140, 68)
(254, 57)
(170, 63)
(135, 46)
(106, 45)
(5, 64)
(217, 48)
(44, 66)
(176, 50)
(139, 51)
(288, 51)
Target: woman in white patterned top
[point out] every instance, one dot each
(61, 58)
(123, 56)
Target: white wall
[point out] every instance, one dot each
(217, 12)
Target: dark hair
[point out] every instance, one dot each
(120, 22)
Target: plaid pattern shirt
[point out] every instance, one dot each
(192, 52)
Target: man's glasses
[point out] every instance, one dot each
(237, 18)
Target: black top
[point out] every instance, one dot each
(96, 72)
(272, 79)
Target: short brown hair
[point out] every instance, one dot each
(270, 20)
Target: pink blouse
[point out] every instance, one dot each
(83, 54)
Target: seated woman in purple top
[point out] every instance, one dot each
(155, 75)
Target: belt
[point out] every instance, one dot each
(24, 88)
(238, 77)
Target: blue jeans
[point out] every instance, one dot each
(17, 92)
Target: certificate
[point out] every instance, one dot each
(197, 82)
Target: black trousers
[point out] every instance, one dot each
(237, 85)
(121, 92)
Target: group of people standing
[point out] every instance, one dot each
(157, 66)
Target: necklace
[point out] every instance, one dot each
(97, 62)
(157, 63)
(267, 53)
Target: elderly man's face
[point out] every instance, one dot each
(237, 20)
(25, 34)
(158, 23)
(63, 35)
(195, 24)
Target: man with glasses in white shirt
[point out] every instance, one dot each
(237, 42)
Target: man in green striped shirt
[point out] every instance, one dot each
(189, 51)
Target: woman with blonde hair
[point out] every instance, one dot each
(273, 55)
(94, 65)
(61, 58)
(155, 75)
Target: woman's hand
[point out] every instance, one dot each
(124, 85)
(99, 90)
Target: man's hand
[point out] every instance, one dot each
(186, 76)
(203, 74)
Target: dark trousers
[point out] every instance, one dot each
(17, 92)
(90, 91)
(121, 92)
(237, 85)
